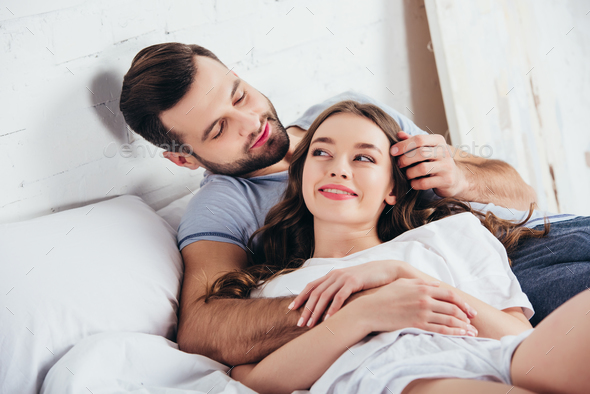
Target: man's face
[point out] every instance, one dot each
(232, 128)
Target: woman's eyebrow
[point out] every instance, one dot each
(360, 145)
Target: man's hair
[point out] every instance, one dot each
(159, 76)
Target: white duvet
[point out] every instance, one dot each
(125, 362)
(141, 363)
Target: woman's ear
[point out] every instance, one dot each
(182, 160)
(391, 199)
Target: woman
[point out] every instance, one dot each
(318, 221)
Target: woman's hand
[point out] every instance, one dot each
(337, 285)
(415, 303)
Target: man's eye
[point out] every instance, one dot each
(220, 131)
(241, 98)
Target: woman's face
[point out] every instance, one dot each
(348, 152)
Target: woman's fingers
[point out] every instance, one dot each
(442, 329)
(312, 300)
(450, 297)
(459, 326)
(338, 301)
(326, 297)
(301, 297)
(446, 308)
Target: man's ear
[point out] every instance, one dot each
(391, 199)
(182, 160)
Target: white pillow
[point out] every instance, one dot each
(109, 266)
(172, 213)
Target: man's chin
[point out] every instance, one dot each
(249, 168)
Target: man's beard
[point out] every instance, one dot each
(274, 150)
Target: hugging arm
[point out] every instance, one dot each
(301, 362)
(231, 331)
(243, 331)
(298, 364)
(489, 321)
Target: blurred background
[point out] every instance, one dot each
(502, 79)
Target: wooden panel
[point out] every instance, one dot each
(502, 67)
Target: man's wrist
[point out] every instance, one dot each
(463, 184)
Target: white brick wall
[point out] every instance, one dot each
(62, 65)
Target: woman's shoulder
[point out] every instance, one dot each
(450, 225)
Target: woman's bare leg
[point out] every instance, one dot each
(555, 357)
(460, 386)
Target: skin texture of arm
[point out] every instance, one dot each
(231, 331)
(493, 181)
(243, 331)
(300, 363)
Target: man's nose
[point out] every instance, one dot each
(247, 123)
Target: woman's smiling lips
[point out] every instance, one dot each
(337, 192)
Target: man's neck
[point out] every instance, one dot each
(295, 136)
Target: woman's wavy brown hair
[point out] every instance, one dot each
(287, 236)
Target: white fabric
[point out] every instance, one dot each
(457, 250)
(388, 362)
(172, 213)
(109, 266)
(124, 362)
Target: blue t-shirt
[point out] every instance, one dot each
(230, 209)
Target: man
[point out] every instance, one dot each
(177, 94)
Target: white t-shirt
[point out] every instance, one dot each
(457, 250)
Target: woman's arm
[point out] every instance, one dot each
(334, 288)
(489, 321)
(339, 284)
(400, 304)
(298, 364)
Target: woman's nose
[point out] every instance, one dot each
(343, 175)
(340, 171)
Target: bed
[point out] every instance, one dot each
(91, 301)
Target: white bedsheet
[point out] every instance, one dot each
(124, 362)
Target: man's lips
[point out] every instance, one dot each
(263, 136)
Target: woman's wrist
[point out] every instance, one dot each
(355, 313)
(399, 269)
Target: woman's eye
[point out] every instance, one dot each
(317, 152)
(369, 158)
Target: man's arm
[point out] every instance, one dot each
(231, 331)
(244, 331)
(432, 164)
(493, 181)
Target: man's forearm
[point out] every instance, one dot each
(238, 331)
(494, 181)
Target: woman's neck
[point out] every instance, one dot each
(334, 240)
